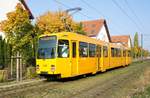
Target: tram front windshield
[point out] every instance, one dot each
(47, 47)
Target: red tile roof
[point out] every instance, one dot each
(120, 39)
(93, 27)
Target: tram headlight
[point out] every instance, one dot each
(52, 68)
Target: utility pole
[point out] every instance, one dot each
(17, 67)
(142, 47)
(64, 18)
(11, 67)
(20, 63)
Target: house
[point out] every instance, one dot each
(97, 29)
(123, 39)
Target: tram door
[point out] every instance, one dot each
(98, 54)
(74, 66)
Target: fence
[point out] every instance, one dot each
(15, 67)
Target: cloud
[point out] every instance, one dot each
(6, 6)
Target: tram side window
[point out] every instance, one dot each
(112, 52)
(129, 53)
(92, 50)
(116, 52)
(119, 52)
(124, 53)
(83, 49)
(63, 48)
(98, 50)
(105, 51)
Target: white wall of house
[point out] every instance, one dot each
(102, 35)
(129, 43)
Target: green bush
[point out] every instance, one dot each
(31, 72)
(5, 53)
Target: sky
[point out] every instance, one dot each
(6, 6)
(123, 17)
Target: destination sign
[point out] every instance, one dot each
(48, 38)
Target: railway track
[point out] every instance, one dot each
(21, 83)
(25, 86)
(7, 90)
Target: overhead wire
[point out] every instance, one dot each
(70, 7)
(101, 14)
(92, 7)
(85, 14)
(133, 12)
(131, 19)
(125, 13)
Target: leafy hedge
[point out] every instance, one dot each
(5, 53)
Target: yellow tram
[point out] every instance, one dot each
(69, 54)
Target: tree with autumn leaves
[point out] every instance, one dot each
(19, 30)
(138, 50)
(22, 34)
(52, 22)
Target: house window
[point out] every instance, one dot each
(93, 25)
(93, 31)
